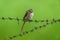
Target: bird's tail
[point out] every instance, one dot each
(22, 26)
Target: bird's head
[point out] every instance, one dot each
(30, 11)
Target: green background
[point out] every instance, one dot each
(43, 9)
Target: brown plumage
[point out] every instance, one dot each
(28, 16)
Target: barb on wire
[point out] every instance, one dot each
(3, 18)
(10, 18)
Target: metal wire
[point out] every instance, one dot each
(35, 28)
(32, 30)
(19, 19)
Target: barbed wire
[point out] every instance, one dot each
(35, 28)
(18, 19)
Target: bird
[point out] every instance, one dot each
(28, 16)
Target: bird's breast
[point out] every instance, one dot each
(31, 16)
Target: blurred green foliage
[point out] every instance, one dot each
(43, 9)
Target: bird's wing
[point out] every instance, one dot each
(26, 16)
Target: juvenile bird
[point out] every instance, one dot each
(28, 16)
